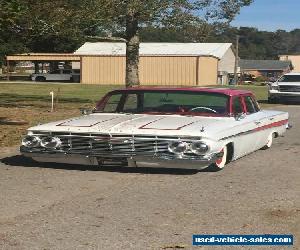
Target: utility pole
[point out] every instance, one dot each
(236, 63)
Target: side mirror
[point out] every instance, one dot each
(239, 116)
(85, 111)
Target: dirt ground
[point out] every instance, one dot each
(14, 121)
(52, 206)
(23, 105)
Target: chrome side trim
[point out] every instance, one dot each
(259, 128)
(236, 135)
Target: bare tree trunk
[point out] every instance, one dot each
(132, 49)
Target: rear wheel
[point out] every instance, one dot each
(220, 163)
(269, 141)
(273, 100)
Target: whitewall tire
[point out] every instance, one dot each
(269, 142)
(220, 163)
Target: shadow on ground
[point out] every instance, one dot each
(21, 161)
(6, 121)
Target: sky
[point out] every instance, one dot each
(270, 15)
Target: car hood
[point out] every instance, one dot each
(140, 124)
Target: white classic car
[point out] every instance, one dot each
(57, 75)
(286, 87)
(191, 128)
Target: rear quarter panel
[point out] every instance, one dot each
(251, 133)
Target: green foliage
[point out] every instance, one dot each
(190, 33)
(255, 44)
(261, 79)
(11, 41)
(166, 14)
(44, 26)
(63, 25)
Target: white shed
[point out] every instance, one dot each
(169, 63)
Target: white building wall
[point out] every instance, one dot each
(75, 65)
(295, 59)
(227, 62)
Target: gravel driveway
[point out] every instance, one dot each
(52, 206)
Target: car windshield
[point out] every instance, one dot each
(165, 102)
(290, 78)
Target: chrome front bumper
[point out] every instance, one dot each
(278, 94)
(133, 161)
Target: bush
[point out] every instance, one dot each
(261, 79)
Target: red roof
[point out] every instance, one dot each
(226, 91)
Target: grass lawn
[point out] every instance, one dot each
(26, 104)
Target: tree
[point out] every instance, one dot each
(45, 26)
(128, 16)
(11, 41)
(62, 25)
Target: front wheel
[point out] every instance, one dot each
(219, 164)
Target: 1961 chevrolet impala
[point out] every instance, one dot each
(189, 128)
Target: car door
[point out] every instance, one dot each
(242, 131)
(262, 122)
(248, 121)
(259, 121)
(53, 75)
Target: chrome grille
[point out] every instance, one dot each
(113, 145)
(289, 88)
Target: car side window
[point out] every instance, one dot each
(112, 103)
(131, 103)
(237, 106)
(251, 105)
(256, 106)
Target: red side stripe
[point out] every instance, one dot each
(143, 126)
(271, 125)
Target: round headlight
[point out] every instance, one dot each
(177, 147)
(31, 141)
(199, 148)
(50, 142)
